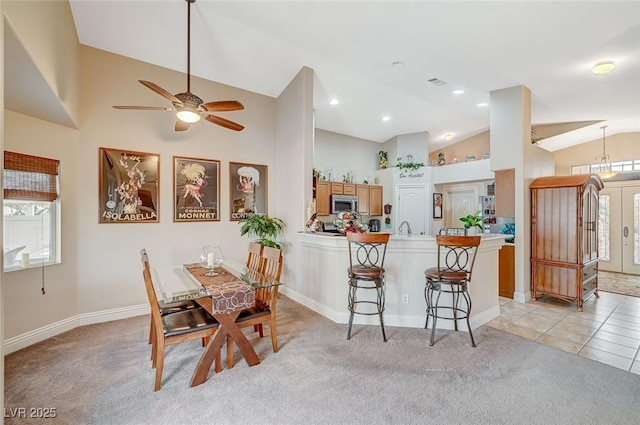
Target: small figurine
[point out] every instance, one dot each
(441, 160)
(383, 161)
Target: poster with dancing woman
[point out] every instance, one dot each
(248, 189)
(128, 186)
(196, 189)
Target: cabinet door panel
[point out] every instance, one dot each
(337, 188)
(363, 199)
(349, 189)
(322, 198)
(375, 200)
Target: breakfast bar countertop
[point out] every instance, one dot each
(325, 289)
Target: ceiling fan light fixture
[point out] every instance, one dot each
(187, 115)
(603, 67)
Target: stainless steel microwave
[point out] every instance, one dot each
(343, 203)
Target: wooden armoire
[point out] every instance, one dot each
(564, 237)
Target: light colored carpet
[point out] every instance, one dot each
(101, 374)
(619, 283)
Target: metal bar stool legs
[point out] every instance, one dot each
(456, 256)
(457, 291)
(353, 302)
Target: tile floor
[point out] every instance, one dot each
(608, 330)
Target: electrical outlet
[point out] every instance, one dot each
(405, 298)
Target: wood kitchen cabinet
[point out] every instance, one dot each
(375, 200)
(506, 271)
(564, 237)
(323, 198)
(338, 188)
(369, 199)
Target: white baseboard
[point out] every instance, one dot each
(405, 321)
(21, 341)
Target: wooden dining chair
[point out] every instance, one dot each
(254, 261)
(165, 309)
(266, 299)
(254, 256)
(174, 328)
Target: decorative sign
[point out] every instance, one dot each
(128, 186)
(247, 189)
(196, 189)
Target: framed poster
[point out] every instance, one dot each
(247, 189)
(196, 189)
(437, 205)
(128, 186)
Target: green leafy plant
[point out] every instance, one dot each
(265, 228)
(408, 165)
(534, 137)
(472, 220)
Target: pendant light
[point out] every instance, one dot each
(604, 168)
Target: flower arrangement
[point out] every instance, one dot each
(349, 221)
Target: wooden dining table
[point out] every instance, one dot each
(224, 296)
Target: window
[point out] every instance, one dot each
(30, 211)
(620, 166)
(604, 234)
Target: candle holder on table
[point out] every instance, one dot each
(211, 257)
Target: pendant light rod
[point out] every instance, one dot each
(604, 159)
(189, 44)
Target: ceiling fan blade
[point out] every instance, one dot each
(162, 92)
(145, 108)
(181, 125)
(223, 105)
(224, 122)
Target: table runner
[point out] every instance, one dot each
(228, 292)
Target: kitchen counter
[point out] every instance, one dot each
(325, 290)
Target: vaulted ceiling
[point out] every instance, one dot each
(474, 46)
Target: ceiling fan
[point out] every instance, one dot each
(190, 108)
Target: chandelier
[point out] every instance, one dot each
(604, 168)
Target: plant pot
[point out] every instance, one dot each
(471, 231)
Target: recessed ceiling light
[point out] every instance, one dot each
(458, 91)
(483, 104)
(448, 136)
(397, 64)
(386, 118)
(603, 67)
(334, 101)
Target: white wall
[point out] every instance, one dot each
(294, 150)
(415, 144)
(342, 153)
(108, 261)
(511, 148)
(25, 306)
(48, 34)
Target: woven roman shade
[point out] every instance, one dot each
(30, 177)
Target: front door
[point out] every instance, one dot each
(619, 229)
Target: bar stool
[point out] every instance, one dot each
(456, 256)
(366, 272)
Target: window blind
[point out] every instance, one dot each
(30, 177)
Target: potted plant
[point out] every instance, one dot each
(471, 221)
(265, 228)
